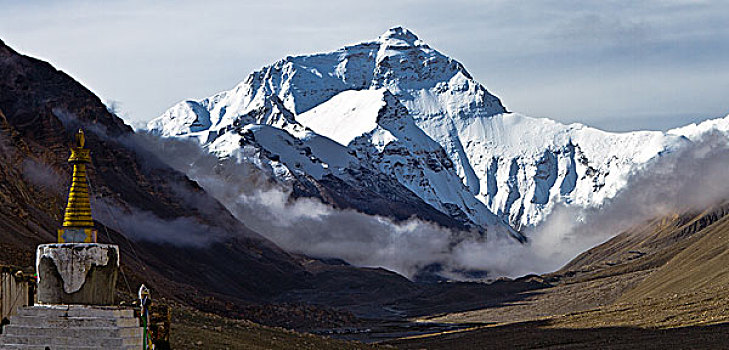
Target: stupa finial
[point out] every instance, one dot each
(78, 225)
(80, 138)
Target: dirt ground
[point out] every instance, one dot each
(197, 330)
(542, 335)
(697, 320)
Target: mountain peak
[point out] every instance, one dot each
(400, 34)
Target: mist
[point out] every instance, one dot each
(141, 225)
(690, 178)
(42, 175)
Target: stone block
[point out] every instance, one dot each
(77, 273)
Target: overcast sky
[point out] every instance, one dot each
(618, 65)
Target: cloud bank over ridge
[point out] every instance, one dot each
(692, 178)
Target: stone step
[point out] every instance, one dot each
(72, 342)
(65, 327)
(43, 321)
(84, 332)
(74, 311)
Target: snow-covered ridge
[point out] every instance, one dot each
(526, 165)
(694, 131)
(398, 107)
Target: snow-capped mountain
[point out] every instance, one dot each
(397, 108)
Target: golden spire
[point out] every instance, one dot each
(78, 225)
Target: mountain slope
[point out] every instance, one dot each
(700, 265)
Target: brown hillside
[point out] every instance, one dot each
(662, 285)
(701, 264)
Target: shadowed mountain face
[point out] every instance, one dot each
(40, 109)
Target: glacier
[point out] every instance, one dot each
(398, 108)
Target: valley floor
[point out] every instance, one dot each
(696, 320)
(661, 286)
(197, 330)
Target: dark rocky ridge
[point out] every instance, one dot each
(40, 109)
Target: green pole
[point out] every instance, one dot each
(144, 325)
